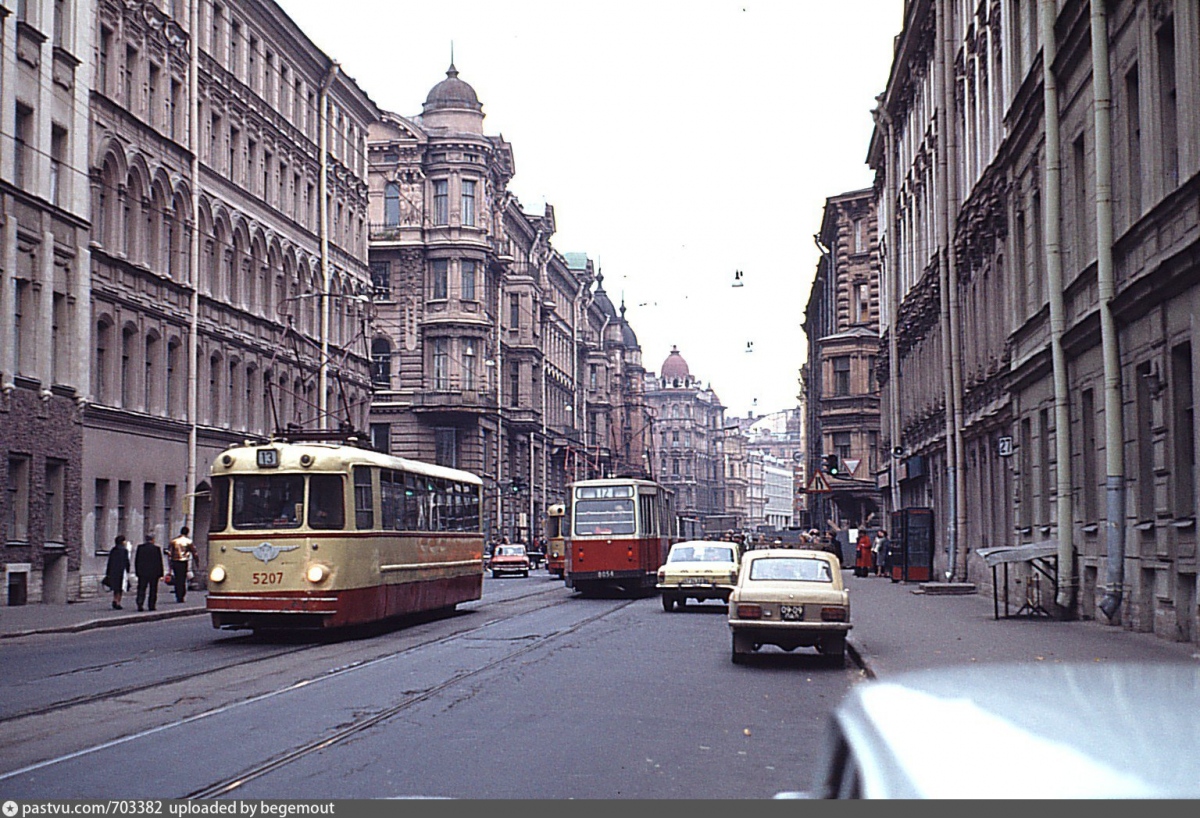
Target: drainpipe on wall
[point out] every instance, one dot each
(193, 401)
(1053, 231)
(1114, 427)
(323, 141)
(945, 79)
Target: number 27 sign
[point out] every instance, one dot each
(1005, 447)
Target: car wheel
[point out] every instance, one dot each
(494, 575)
(668, 602)
(524, 573)
(681, 602)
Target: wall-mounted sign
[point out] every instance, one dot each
(1005, 447)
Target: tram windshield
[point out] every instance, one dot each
(604, 517)
(276, 501)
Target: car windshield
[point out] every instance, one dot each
(700, 553)
(798, 569)
(511, 551)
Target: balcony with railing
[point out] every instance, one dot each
(452, 398)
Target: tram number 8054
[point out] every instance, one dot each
(267, 578)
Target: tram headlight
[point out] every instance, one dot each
(316, 573)
(217, 574)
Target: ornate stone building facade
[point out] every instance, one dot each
(841, 322)
(1034, 165)
(490, 350)
(220, 292)
(45, 72)
(689, 440)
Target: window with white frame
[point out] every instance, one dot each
(441, 276)
(441, 363)
(468, 203)
(441, 202)
(18, 497)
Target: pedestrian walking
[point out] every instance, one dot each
(882, 550)
(178, 553)
(862, 555)
(115, 568)
(148, 565)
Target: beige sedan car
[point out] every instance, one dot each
(698, 569)
(789, 598)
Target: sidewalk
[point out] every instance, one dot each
(23, 620)
(898, 628)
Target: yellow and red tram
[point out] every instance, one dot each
(620, 530)
(556, 541)
(312, 534)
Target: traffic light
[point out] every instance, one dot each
(831, 464)
(516, 487)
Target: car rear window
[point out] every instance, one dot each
(798, 569)
(700, 553)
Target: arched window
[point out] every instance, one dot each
(173, 397)
(381, 363)
(127, 373)
(391, 205)
(149, 382)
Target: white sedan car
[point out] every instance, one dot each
(698, 569)
(789, 598)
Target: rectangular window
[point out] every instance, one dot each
(123, 490)
(58, 159)
(1020, 274)
(19, 475)
(469, 364)
(22, 146)
(1083, 205)
(468, 203)
(1133, 138)
(514, 311)
(149, 492)
(364, 499)
(441, 363)
(168, 509)
(593, 376)
(446, 452)
(1026, 476)
(235, 147)
(381, 437)
(841, 444)
(1039, 288)
(381, 280)
(841, 376)
(468, 280)
(100, 516)
(1165, 40)
(103, 59)
(441, 278)
(1091, 479)
(153, 94)
(1184, 448)
(60, 23)
(1044, 450)
(441, 202)
(250, 176)
(514, 385)
(174, 106)
(131, 57)
(1144, 435)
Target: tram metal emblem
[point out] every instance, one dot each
(265, 551)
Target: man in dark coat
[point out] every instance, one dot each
(148, 565)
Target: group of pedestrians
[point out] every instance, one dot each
(147, 565)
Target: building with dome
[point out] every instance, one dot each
(688, 420)
(490, 350)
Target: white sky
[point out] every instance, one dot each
(677, 141)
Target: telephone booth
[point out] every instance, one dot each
(912, 545)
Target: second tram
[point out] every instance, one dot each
(556, 541)
(309, 534)
(619, 532)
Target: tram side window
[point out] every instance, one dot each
(646, 513)
(413, 505)
(326, 503)
(268, 501)
(391, 497)
(220, 504)
(364, 499)
(471, 509)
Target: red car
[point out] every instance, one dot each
(510, 559)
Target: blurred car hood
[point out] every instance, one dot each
(1022, 731)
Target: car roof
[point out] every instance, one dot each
(788, 552)
(693, 543)
(1027, 731)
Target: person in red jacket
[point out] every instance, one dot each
(862, 554)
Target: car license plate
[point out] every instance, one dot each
(695, 581)
(791, 613)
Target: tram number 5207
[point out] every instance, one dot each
(268, 578)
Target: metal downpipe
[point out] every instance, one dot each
(1053, 231)
(1114, 427)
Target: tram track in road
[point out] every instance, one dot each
(87, 709)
